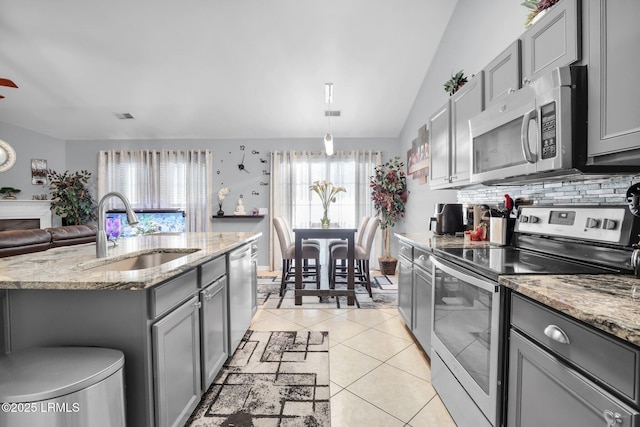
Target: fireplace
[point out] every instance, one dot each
(24, 214)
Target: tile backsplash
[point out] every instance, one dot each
(605, 191)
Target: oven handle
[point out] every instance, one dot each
(486, 284)
(524, 135)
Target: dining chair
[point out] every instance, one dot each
(361, 233)
(362, 253)
(288, 252)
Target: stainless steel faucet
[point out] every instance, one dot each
(101, 235)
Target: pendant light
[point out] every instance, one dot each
(328, 138)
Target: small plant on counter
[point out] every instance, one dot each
(70, 197)
(9, 193)
(456, 82)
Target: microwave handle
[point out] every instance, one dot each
(524, 136)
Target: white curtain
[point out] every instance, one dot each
(292, 172)
(155, 179)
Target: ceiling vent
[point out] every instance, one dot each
(332, 113)
(124, 116)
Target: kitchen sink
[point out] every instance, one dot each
(152, 259)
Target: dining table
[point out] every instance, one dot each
(334, 231)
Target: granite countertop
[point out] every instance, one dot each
(69, 267)
(606, 302)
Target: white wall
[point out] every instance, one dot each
(476, 33)
(30, 145)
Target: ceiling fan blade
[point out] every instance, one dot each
(7, 82)
(1, 96)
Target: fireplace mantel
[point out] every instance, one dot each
(27, 209)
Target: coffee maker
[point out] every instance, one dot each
(448, 219)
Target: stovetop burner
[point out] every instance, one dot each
(557, 240)
(496, 261)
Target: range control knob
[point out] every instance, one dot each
(592, 223)
(533, 219)
(609, 224)
(524, 218)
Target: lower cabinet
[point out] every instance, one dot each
(405, 290)
(564, 373)
(423, 287)
(176, 364)
(215, 344)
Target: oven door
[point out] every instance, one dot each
(467, 333)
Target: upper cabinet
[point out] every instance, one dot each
(553, 41)
(502, 75)
(449, 136)
(439, 147)
(614, 97)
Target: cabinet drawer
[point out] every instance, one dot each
(168, 295)
(406, 251)
(587, 348)
(422, 259)
(213, 270)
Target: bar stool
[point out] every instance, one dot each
(362, 228)
(361, 258)
(288, 252)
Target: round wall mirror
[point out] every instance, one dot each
(7, 156)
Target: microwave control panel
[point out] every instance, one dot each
(548, 131)
(602, 224)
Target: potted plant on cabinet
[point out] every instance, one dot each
(389, 194)
(70, 197)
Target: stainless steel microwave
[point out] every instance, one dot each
(536, 132)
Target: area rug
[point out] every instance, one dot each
(384, 290)
(272, 379)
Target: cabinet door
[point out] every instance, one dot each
(439, 145)
(465, 104)
(614, 100)
(405, 291)
(214, 331)
(423, 299)
(553, 41)
(502, 75)
(176, 367)
(545, 392)
(240, 304)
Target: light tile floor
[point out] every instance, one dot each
(379, 376)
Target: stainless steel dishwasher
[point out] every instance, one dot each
(240, 298)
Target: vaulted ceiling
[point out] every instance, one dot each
(215, 68)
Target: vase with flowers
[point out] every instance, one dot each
(389, 195)
(221, 195)
(327, 193)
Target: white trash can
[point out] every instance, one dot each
(62, 387)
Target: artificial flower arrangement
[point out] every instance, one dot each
(389, 194)
(327, 193)
(221, 195)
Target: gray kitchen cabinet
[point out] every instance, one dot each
(176, 364)
(439, 147)
(614, 100)
(466, 103)
(553, 41)
(556, 378)
(405, 284)
(254, 279)
(240, 294)
(423, 299)
(214, 330)
(502, 75)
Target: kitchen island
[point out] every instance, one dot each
(176, 322)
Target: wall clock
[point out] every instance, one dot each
(7, 156)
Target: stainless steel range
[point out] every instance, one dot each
(468, 319)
